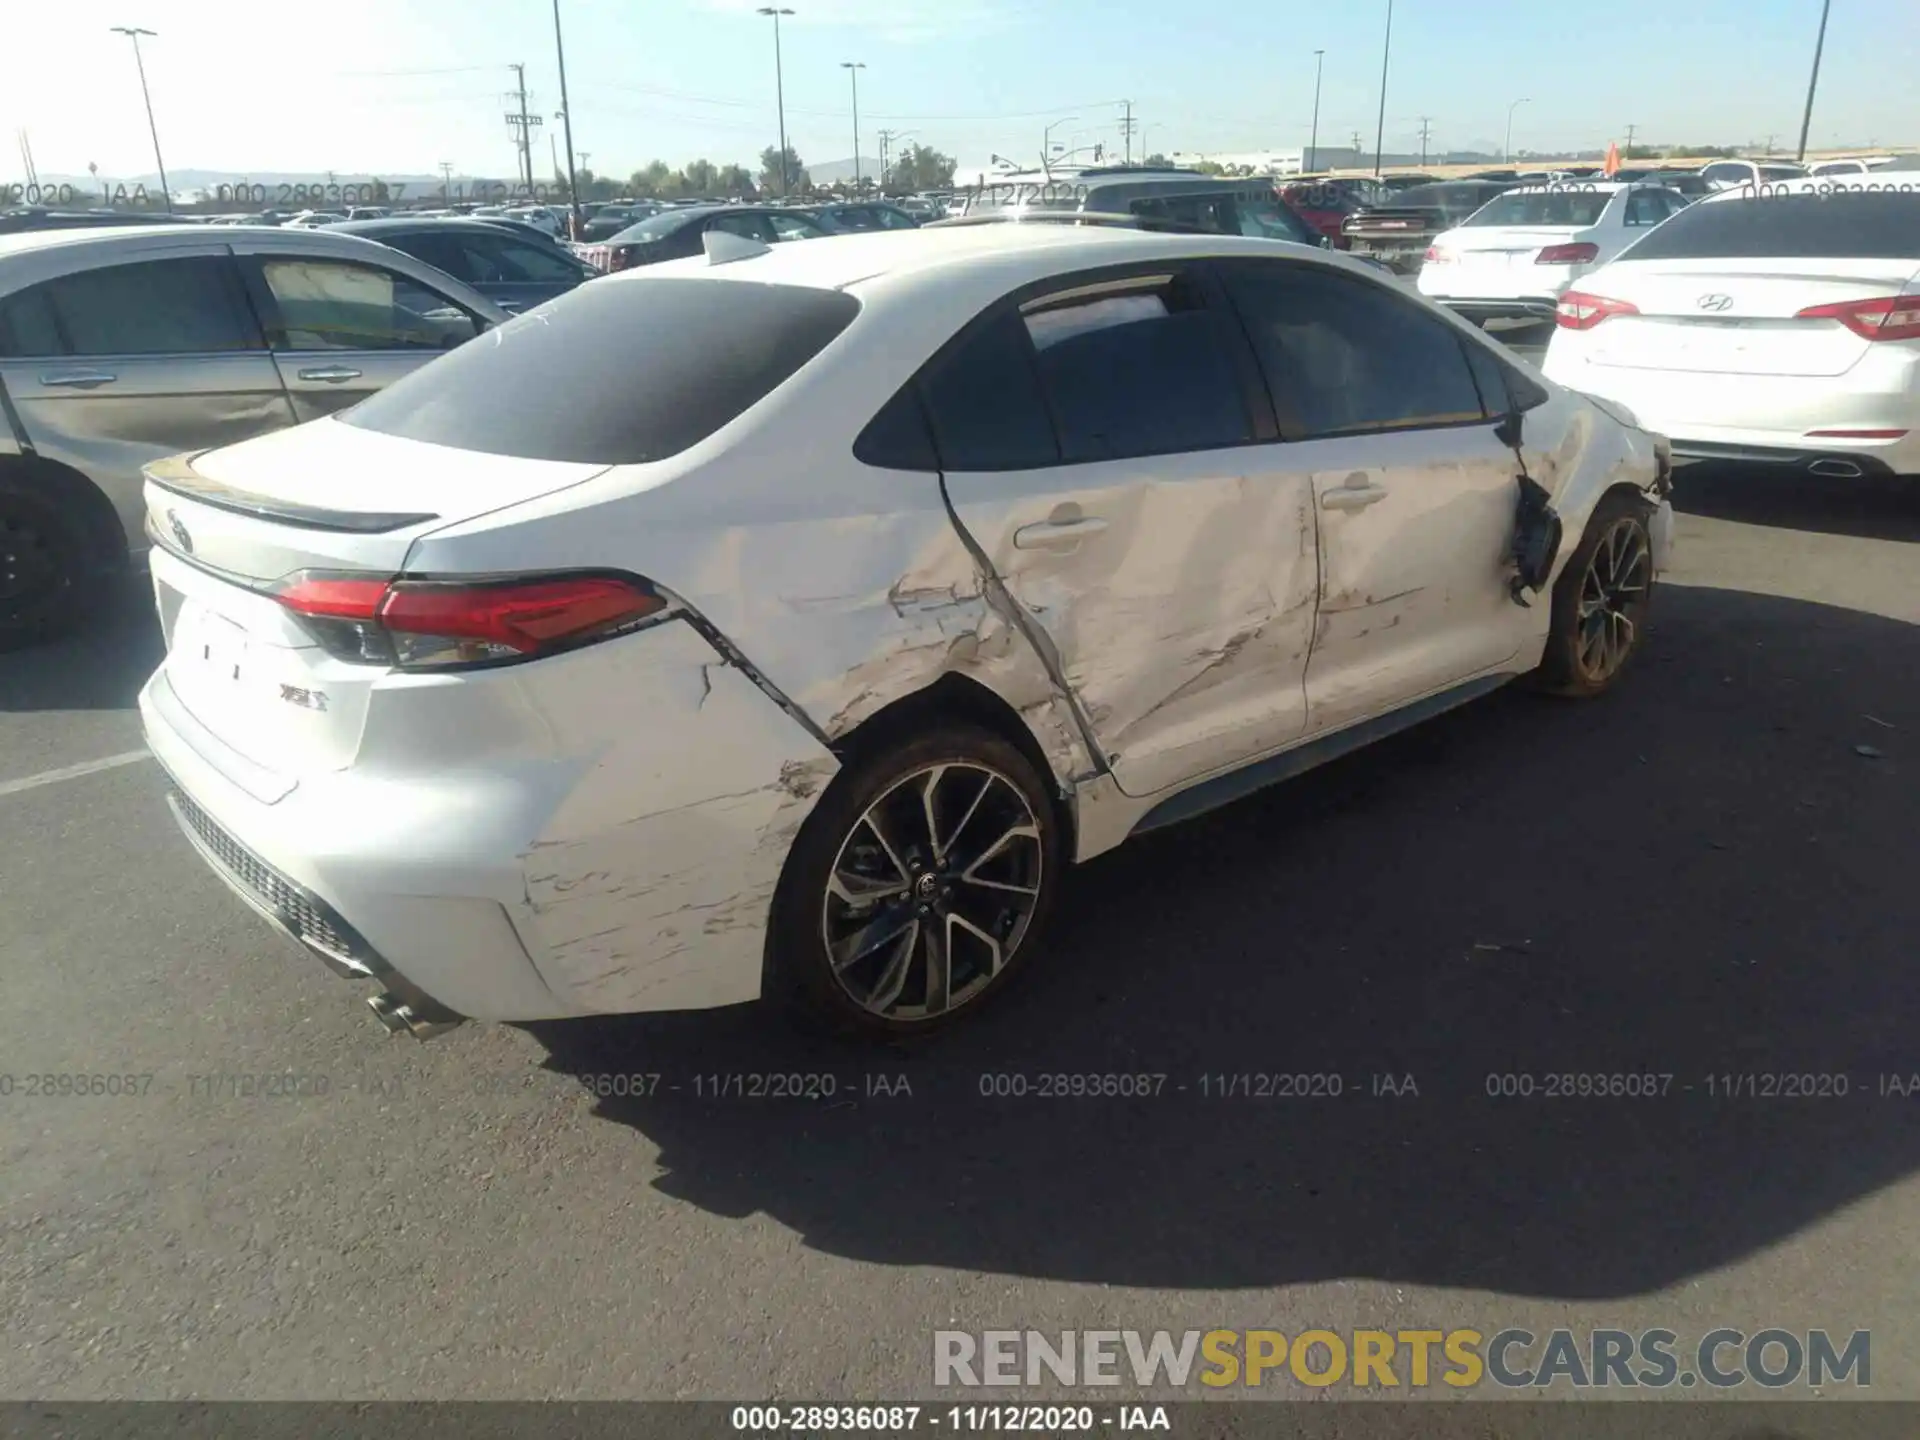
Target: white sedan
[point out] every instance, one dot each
(1776, 325)
(787, 620)
(1515, 255)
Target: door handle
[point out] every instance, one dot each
(332, 374)
(1057, 534)
(1358, 493)
(78, 379)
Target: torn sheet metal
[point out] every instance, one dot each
(668, 908)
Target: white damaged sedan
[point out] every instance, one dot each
(785, 621)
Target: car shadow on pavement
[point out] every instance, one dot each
(100, 668)
(1698, 876)
(1870, 507)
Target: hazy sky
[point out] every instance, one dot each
(390, 86)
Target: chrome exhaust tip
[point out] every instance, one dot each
(420, 1018)
(1835, 469)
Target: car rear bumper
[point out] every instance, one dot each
(1829, 464)
(523, 886)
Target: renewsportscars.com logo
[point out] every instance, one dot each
(1400, 1359)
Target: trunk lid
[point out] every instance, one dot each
(1737, 316)
(230, 524)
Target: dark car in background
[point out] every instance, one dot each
(1185, 198)
(514, 271)
(609, 220)
(855, 216)
(1397, 232)
(676, 233)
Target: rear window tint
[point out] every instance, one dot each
(617, 372)
(1851, 226)
(1576, 208)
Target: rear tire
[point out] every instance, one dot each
(918, 887)
(45, 567)
(1600, 602)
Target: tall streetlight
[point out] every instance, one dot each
(853, 69)
(1313, 145)
(1507, 151)
(779, 90)
(1806, 120)
(1046, 138)
(566, 122)
(1386, 49)
(133, 33)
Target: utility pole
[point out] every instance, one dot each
(133, 33)
(1386, 52)
(446, 181)
(1813, 81)
(566, 122)
(1313, 144)
(1506, 151)
(853, 69)
(523, 123)
(779, 92)
(1629, 152)
(1126, 129)
(1357, 151)
(1425, 130)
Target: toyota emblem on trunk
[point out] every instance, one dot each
(1715, 302)
(180, 533)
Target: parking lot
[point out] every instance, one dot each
(1709, 874)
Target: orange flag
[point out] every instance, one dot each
(1613, 158)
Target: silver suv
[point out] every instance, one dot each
(125, 345)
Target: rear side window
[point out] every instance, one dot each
(157, 307)
(620, 373)
(983, 402)
(1345, 356)
(342, 305)
(1139, 373)
(1578, 209)
(1847, 225)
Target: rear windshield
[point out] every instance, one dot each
(1440, 197)
(615, 372)
(1578, 209)
(1851, 226)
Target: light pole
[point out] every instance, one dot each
(1507, 151)
(566, 122)
(1313, 145)
(1046, 139)
(779, 90)
(853, 69)
(134, 32)
(1819, 44)
(1386, 50)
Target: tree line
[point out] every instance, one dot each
(917, 167)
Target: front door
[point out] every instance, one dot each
(1413, 492)
(1106, 446)
(342, 329)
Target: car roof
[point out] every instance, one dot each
(932, 256)
(389, 224)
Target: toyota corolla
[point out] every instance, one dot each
(787, 620)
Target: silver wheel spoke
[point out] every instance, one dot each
(872, 822)
(893, 979)
(863, 891)
(868, 939)
(939, 967)
(926, 809)
(1016, 832)
(992, 944)
(971, 809)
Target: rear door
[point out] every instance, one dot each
(1106, 447)
(1414, 493)
(342, 329)
(119, 364)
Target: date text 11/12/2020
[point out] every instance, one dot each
(285, 194)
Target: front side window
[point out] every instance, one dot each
(343, 305)
(1343, 355)
(793, 227)
(153, 307)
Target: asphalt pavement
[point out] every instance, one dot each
(1709, 873)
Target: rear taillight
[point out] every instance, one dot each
(1892, 317)
(1578, 310)
(618, 257)
(1437, 256)
(432, 624)
(1581, 254)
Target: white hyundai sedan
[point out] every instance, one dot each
(1514, 256)
(1777, 325)
(786, 621)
